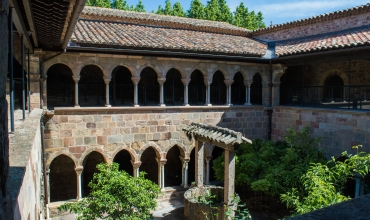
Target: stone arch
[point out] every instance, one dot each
(156, 148)
(91, 86)
(244, 73)
(238, 89)
(92, 64)
(156, 70)
(203, 71)
(333, 72)
(121, 87)
(62, 179)
(173, 167)
(48, 65)
(88, 151)
(150, 159)
(53, 156)
(173, 88)
(218, 89)
(134, 156)
(130, 68)
(224, 73)
(197, 88)
(60, 86)
(89, 168)
(181, 71)
(181, 146)
(256, 89)
(148, 87)
(125, 160)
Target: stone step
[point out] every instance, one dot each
(172, 193)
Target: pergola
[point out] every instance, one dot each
(224, 138)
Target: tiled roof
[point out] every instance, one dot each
(121, 32)
(315, 19)
(142, 18)
(356, 37)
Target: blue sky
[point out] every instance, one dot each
(277, 11)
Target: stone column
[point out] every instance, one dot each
(48, 184)
(161, 164)
(107, 81)
(79, 170)
(186, 174)
(186, 91)
(135, 166)
(248, 93)
(208, 161)
(199, 163)
(76, 79)
(208, 92)
(161, 93)
(136, 80)
(229, 176)
(228, 91)
(185, 162)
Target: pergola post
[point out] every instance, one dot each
(229, 177)
(199, 163)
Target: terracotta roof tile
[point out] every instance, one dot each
(345, 39)
(118, 34)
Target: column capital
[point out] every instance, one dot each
(228, 82)
(185, 81)
(184, 160)
(76, 79)
(161, 81)
(207, 83)
(208, 159)
(79, 169)
(107, 80)
(161, 161)
(136, 164)
(248, 83)
(135, 80)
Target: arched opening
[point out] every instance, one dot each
(149, 164)
(148, 87)
(256, 90)
(173, 88)
(63, 179)
(173, 167)
(334, 89)
(123, 158)
(121, 88)
(60, 86)
(91, 87)
(197, 89)
(191, 167)
(89, 168)
(217, 152)
(238, 90)
(218, 89)
(291, 86)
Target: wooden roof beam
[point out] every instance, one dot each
(29, 13)
(19, 24)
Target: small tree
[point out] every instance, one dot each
(196, 10)
(116, 195)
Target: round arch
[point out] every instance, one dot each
(149, 164)
(148, 87)
(238, 90)
(256, 89)
(62, 179)
(89, 168)
(197, 88)
(91, 86)
(60, 86)
(333, 90)
(218, 89)
(173, 167)
(173, 88)
(52, 157)
(121, 87)
(124, 159)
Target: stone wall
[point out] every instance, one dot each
(5, 203)
(339, 130)
(25, 173)
(77, 132)
(314, 28)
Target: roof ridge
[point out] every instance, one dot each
(107, 14)
(315, 19)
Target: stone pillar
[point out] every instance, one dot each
(248, 93)
(161, 93)
(107, 81)
(208, 161)
(228, 91)
(79, 170)
(48, 184)
(161, 164)
(199, 163)
(186, 174)
(35, 96)
(229, 177)
(76, 79)
(136, 80)
(136, 166)
(208, 92)
(185, 162)
(276, 94)
(186, 91)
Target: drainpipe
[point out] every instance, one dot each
(23, 82)
(28, 82)
(10, 68)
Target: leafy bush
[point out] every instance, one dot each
(274, 167)
(324, 183)
(116, 195)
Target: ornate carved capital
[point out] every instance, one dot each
(79, 170)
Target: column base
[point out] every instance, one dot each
(136, 105)
(208, 104)
(229, 104)
(247, 104)
(108, 106)
(162, 105)
(186, 105)
(77, 106)
(186, 186)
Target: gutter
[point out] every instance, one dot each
(79, 6)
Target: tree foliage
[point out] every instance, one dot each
(175, 10)
(120, 4)
(196, 10)
(244, 18)
(99, 3)
(324, 183)
(274, 167)
(139, 7)
(116, 195)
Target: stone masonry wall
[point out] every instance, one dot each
(339, 130)
(5, 202)
(317, 28)
(25, 173)
(77, 132)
